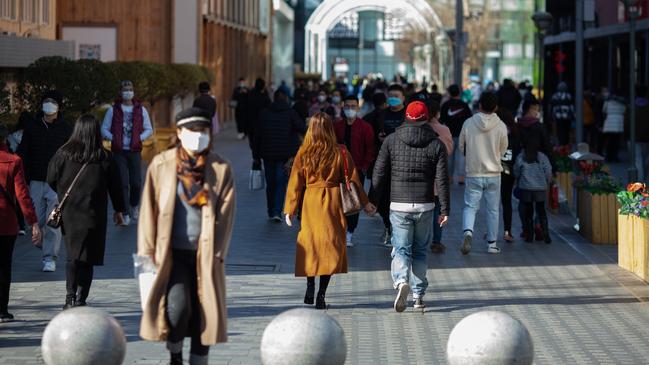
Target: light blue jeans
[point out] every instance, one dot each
(411, 234)
(456, 160)
(45, 199)
(474, 190)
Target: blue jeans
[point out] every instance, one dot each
(456, 160)
(276, 182)
(411, 234)
(437, 230)
(474, 190)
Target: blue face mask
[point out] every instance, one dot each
(392, 101)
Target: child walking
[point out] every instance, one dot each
(534, 173)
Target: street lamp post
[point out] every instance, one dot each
(543, 22)
(632, 9)
(459, 41)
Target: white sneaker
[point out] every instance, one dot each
(493, 248)
(135, 211)
(21, 232)
(348, 240)
(241, 136)
(402, 298)
(127, 221)
(466, 244)
(49, 266)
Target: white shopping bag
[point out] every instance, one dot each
(145, 272)
(257, 181)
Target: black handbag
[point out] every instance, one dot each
(55, 218)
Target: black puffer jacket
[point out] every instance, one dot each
(277, 132)
(412, 161)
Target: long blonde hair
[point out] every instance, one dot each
(320, 148)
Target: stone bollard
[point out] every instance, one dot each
(83, 336)
(490, 337)
(303, 337)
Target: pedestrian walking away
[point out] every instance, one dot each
(483, 140)
(126, 125)
(453, 115)
(614, 108)
(207, 102)
(89, 172)
(414, 162)
(357, 135)
(258, 100)
(238, 102)
(277, 139)
(41, 139)
(13, 192)
(185, 226)
(314, 190)
(507, 179)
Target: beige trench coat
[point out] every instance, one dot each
(154, 232)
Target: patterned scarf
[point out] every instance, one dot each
(191, 172)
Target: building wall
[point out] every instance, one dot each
(29, 18)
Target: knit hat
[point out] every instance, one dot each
(191, 117)
(417, 112)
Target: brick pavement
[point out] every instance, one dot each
(579, 307)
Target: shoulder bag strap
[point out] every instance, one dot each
(343, 151)
(67, 193)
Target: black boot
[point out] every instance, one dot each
(545, 231)
(310, 293)
(70, 300)
(320, 302)
(176, 359)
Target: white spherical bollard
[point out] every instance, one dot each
(303, 337)
(83, 336)
(490, 337)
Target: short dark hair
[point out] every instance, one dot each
(280, 96)
(488, 101)
(204, 87)
(433, 108)
(125, 83)
(454, 90)
(379, 99)
(397, 87)
(527, 104)
(351, 97)
(434, 87)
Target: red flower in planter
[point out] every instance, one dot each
(636, 187)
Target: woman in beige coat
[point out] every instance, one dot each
(185, 227)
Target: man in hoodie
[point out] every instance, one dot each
(483, 140)
(41, 139)
(453, 114)
(276, 141)
(357, 135)
(413, 162)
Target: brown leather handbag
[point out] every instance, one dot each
(349, 191)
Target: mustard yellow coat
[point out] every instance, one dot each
(321, 248)
(154, 232)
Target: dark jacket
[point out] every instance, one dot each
(412, 161)
(39, 144)
(509, 98)
(376, 118)
(257, 101)
(362, 142)
(453, 114)
(277, 133)
(532, 131)
(85, 211)
(207, 103)
(16, 194)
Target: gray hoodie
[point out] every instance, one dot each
(483, 141)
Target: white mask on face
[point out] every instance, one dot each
(128, 95)
(50, 108)
(195, 142)
(322, 98)
(351, 113)
(335, 99)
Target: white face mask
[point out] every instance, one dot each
(351, 113)
(50, 108)
(195, 142)
(322, 98)
(335, 99)
(128, 95)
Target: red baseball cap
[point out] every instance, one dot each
(417, 112)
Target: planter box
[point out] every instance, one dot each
(597, 217)
(564, 180)
(633, 245)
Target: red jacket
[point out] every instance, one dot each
(12, 180)
(362, 142)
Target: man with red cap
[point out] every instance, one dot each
(412, 161)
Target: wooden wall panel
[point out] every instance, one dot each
(143, 26)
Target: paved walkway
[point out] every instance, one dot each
(579, 307)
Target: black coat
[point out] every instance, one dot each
(509, 98)
(207, 103)
(453, 114)
(257, 101)
(277, 133)
(39, 144)
(531, 131)
(412, 161)
(85, 211)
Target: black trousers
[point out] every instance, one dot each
(352, 220)
(612, 141)
(528, 223)
(183, 309)
(6, 254)
(130, 171)
(78, 279)
(506, 189)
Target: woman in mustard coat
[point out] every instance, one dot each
(313, 190)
